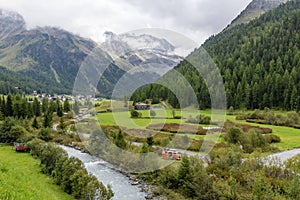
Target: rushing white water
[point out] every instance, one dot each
(121, 186)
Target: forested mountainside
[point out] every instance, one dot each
(259, 62)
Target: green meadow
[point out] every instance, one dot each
(21, 178)
(290, 137)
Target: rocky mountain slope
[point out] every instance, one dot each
(254, 10)
(147, 52)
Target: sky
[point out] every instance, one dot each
(195, 19)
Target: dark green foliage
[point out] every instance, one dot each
(52, 107)
(184, 176)
(9, 106)
(199, 119)
(67, 106)
(271, 138)
(144, 148)
(45, 105)
(269, 117)
(59, 107)
(150, 140)
(259, 62)
(250, 140)
(69, 173)
(233, 135)
(120, 141)
(19, 107)
(135, 114)
(228, 176)
(44, 134)
(62, 125)
(17, 133)
(35, 123)
(36, 107)
(187, 178)
(47, 123)
(7, 125)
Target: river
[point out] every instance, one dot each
(121, 186)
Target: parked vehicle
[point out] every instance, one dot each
(170, 154)
(20, 147)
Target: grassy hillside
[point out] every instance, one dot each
(20, 178)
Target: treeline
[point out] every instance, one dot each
(20, 106)
(69, 173)
(291, 119)
(20, 115)
(259, 63)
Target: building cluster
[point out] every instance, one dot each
(63, 97)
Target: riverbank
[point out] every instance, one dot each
(124, 185)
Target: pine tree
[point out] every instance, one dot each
(62, 125)
(67, 106)
(35, 123)
(36, 106)
(120, 141)
(45, 105)
(47, 120)
(9, 106)
(150, 140)
(59, 110)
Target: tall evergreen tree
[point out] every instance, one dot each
(9, 106)
(67, 106)
(36, 106)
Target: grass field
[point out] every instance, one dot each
(162, 116)
(20, 178)
(290, 137)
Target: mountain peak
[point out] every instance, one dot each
(11, 23)
(11, 15)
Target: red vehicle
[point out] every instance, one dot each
(170, 154)
(20, 147)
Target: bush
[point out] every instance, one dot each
(44, 134)
(271, 138)
(199, 119)
(69, 173)
(135, 114)
(233, 135)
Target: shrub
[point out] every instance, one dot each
(271, 138)
(44, 134)
(135, 114)
(233, 135)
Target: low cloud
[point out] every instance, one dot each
(197, 19)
